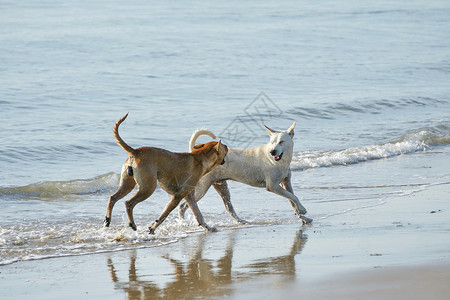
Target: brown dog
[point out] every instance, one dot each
(176, 173)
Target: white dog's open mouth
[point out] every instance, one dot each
(278, 157)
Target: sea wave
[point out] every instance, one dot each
(50, 189)
(420, 140)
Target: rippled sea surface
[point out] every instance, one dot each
(368, 85)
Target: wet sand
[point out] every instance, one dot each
(396, 250)
(428, 281)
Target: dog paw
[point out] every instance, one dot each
(242, 222)
(211, 229)
(133, 226)
(107, 222)
(306, 220)
(151, 230)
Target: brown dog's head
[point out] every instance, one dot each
(217, 149)
(222, 151)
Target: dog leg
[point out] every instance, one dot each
(296, 205)
(198, 215)
(277, 189)
(126, 185)
(140, 196)
(286, 184)
(182, 210)
(200, 190)
(222, 188)
(169, 207)
(299, 210)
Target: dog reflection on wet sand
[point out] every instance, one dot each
(200, 276)
(176, 173)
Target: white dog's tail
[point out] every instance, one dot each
(198, 133)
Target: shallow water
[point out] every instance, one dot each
(367, 84)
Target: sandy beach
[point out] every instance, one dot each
(396, 250)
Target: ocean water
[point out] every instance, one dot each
(368, 85)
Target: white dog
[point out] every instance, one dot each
(266, 166)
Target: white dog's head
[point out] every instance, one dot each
(281, 143)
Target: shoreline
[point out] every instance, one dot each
(396, 250)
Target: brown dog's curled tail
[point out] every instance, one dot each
(119, 140)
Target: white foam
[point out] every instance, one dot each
(410, 143)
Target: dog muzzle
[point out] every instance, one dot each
(275, 156)
(278, 157)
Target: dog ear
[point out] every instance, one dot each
(217, 147)
(269, 130)
(199, 146)
(291, 130)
